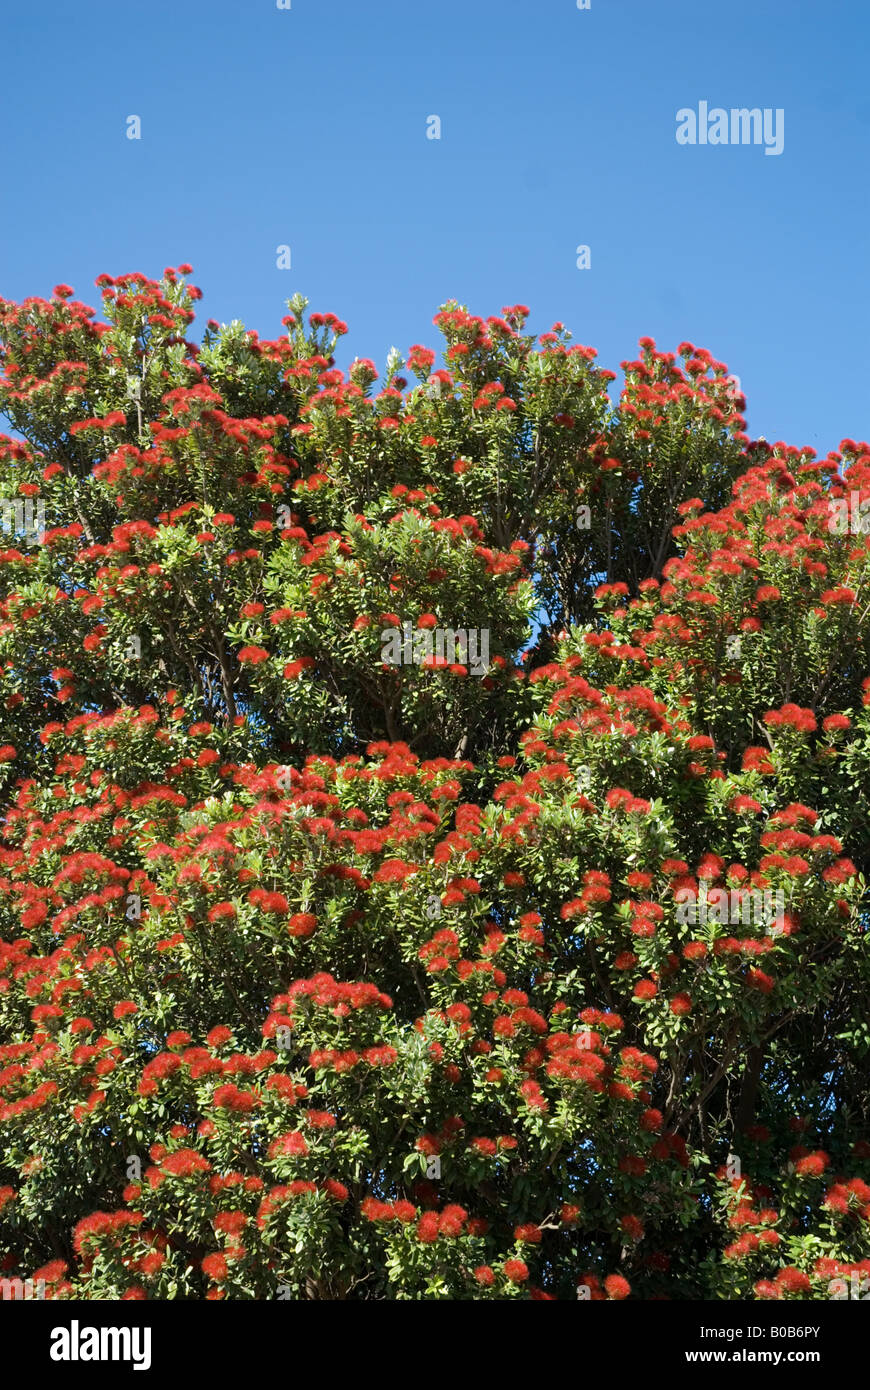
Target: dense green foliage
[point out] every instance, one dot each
(327, 977)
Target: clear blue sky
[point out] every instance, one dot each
(307, 127)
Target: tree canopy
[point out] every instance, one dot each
(331, 976)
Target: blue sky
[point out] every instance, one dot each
(307, 127)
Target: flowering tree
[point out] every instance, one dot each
(328, 975)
